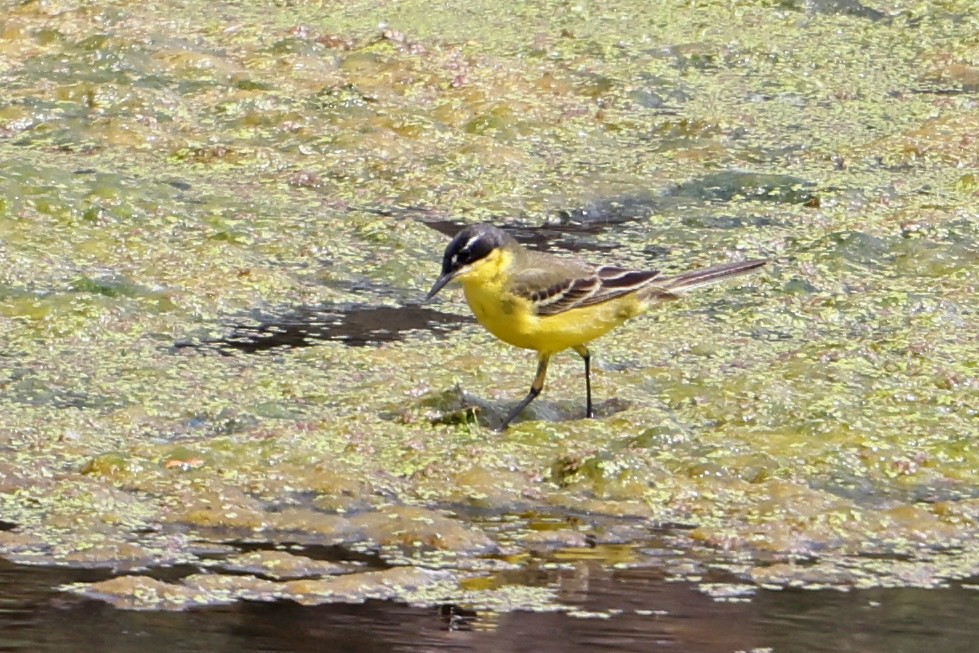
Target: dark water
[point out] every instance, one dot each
(33, 617)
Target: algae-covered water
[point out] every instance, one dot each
(218, 222)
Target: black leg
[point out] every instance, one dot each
(535, 389)
(582, 351)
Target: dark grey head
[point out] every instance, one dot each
(470, 245)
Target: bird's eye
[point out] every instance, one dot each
(477, 249)
(466, 249)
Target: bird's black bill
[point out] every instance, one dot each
(439, 284)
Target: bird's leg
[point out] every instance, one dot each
(535, 389)
(582, 351)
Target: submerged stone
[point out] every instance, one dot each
(145, 593)
(279, 565)
(408, 526)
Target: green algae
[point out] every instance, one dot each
(165, 176)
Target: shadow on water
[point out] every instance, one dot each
(573, 229)
(568, 234)
(355, 326)
(641, 611)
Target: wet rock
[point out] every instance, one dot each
(916, 523)
(13, 478)
(224, 508)
(225, 589)
(145, 593)
(807, 576)
(965, 75)
(118, 467)
(961, 512)
(485, 487)
(336, 490)
(607, 476)
(728, 592)
(119, 555)
(618, 508)
(408, 526)
(12, 542)
(563, 538)
(311, 525)
(280, 565)
(397, 582)
(510, 597)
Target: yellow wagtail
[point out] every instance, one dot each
(548, 303)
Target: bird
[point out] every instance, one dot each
(548, 303)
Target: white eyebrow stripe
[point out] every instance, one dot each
(469, 243)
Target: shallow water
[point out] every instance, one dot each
(219, 387)
(647, 614)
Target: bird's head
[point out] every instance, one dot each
(475, 250)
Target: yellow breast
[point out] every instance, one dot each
(513, 320)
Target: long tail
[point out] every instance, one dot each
(704, 277)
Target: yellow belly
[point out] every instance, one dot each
(512, 319)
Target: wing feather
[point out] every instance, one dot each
(554, 292)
